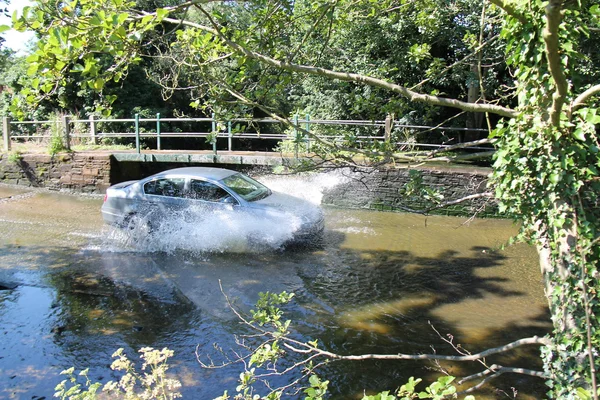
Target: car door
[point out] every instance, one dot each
(164, 196)
(210, 195)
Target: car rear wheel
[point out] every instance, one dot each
(139, 224)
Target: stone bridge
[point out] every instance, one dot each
(375, 188)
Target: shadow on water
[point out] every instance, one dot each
(353, 301)
(413, 296)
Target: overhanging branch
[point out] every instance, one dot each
(471, 357)
(510, 10)
(350, 77)
(584, 97)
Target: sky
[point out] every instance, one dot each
(16, 40)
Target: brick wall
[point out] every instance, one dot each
(83, 172)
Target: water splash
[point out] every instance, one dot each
(199, 229)
(309, 187)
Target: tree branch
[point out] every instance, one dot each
(585, 96)
(465, 58)
(553, 19)
(351, 77)
(470, 357)
(495, 371)
(461, 146)
(510, 10)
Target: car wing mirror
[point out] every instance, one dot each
(230, 200)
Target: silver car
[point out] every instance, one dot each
(197, 192)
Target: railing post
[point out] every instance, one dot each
(389, 125)
(158, 131)
(229, 137)
(214, 133)
(93, 132)
(296, 138)
(67, 132)
(137, 133)
(6, 133)
(307, 128)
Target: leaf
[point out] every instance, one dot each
(579, 135)
(583, 394)
(555, 178)
(161, 13)
(146, 20)
(77, 68)
(32, 69)
(122, 17)
(97, 84)
(4, 28)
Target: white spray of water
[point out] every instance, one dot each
(200, 230)
(309, 187)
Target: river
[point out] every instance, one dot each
(76, 290)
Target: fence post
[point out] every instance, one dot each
(214, 133)
(229, 136)
(6, 133)
(158, 131)
(307, 127)
(389, 125)
(93, 132)
(296, 138)
(137, 133)
(67, 132)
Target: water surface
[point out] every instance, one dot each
(76, 290)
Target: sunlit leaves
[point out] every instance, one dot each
(419, 52)
(75, 41)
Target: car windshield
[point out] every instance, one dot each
(246, 187)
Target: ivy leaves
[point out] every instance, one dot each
(546, 173)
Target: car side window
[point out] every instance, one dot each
(202, 190)
(170, 187)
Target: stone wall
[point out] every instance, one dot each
(82, 172)
(383, 189)
(388, 189)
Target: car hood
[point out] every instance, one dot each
(287, 203)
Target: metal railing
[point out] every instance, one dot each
(137, 128)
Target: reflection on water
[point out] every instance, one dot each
(379, 284)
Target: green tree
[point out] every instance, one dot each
(546, 165)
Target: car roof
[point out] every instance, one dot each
(215, 174)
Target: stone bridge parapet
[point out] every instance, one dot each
(378, 188)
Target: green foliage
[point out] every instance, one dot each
(72, 390)
(268, 315)
(153, 383)
(417, 188)
(546, 173)
(56, 143)
(438, 390)
(268, 312)
(317, 389)
(15, 157)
